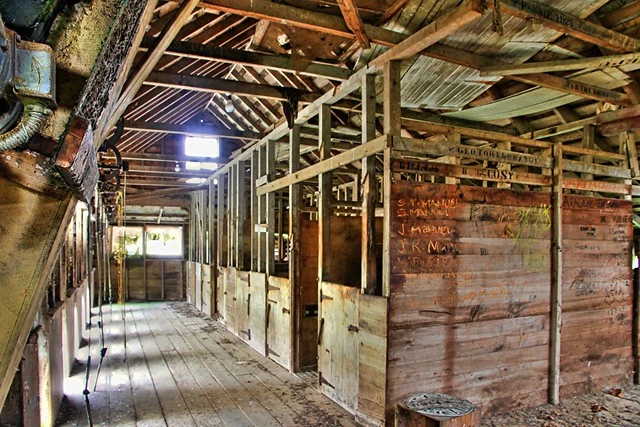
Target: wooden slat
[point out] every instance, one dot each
(465, 151)
(469, 172)
(613, 171)
(596, 186)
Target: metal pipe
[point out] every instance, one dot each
(33, 117)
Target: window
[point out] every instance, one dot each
(201, 147)
(164, 241)
(158, 241)
(126, 241)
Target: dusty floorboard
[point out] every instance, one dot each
(182, 368)
(616, 408)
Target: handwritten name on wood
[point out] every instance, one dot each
(466, 151)
(468, 172)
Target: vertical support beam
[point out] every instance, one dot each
(392, 126)
(220, 217)
(632, 152)
(556, 280)
(255, 237)
(280, 203)
(295, 202)
(624, 146)
(241, 214)
(635, 341)
(588, 141)
(214, 199)
(262, 212)
(502, 166)
(231, 216)
(369, 284)
(324, 205)
(453, 138)
(270, 208)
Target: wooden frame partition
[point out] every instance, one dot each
(437, 316)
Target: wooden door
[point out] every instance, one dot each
(279, 321)
(338, 348)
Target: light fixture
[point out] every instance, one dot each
(228, 104)
(177, 167)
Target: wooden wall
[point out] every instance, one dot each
(469, 305)
(153, 279)
(597, 294)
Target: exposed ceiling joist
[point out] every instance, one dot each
(149, 62)
(568, 24)
(164, 193)
(235, 56)
(223, 86)
(352, 18)
(288, 15)
(441, 27)
(171, 158)
(563, 65)
(190, 130)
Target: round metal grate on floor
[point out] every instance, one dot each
(439, 405)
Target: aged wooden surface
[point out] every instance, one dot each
(183, 368)
(339, 344)
(278, 320)
(467, 262)
(308, 297)
(597, 294)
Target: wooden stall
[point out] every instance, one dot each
(426, 257)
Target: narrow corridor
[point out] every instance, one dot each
(182, 368)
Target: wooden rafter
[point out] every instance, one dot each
(280, 62)
(287, 15)
(352, 18)
(151, 59)
(152, 157)
(223, 86)
(190, 130)
(564, 65)
(568, 24)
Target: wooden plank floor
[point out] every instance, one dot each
(181, 368)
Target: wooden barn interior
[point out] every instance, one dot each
(388, 197)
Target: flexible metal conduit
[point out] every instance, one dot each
(33, 117)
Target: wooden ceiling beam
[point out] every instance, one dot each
(164, 193)
(473, 60)
(190, 130)
(167, 158)
(209, 52)
(223, 86)
(563, 65)
(568, 24)
(352, 18)
(302, 18)
(151, 59)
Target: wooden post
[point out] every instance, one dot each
(241, 214)
(635, 341)
(270, 208)
(392, 124)
(624, 147)
(324, 207)
(453, 138)
(255, 237)
(556, 280)
(369, 284)
(588, 141)
(231, 216)
(214, 200)
(262, 212)
(220, 234)
(295, 201)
